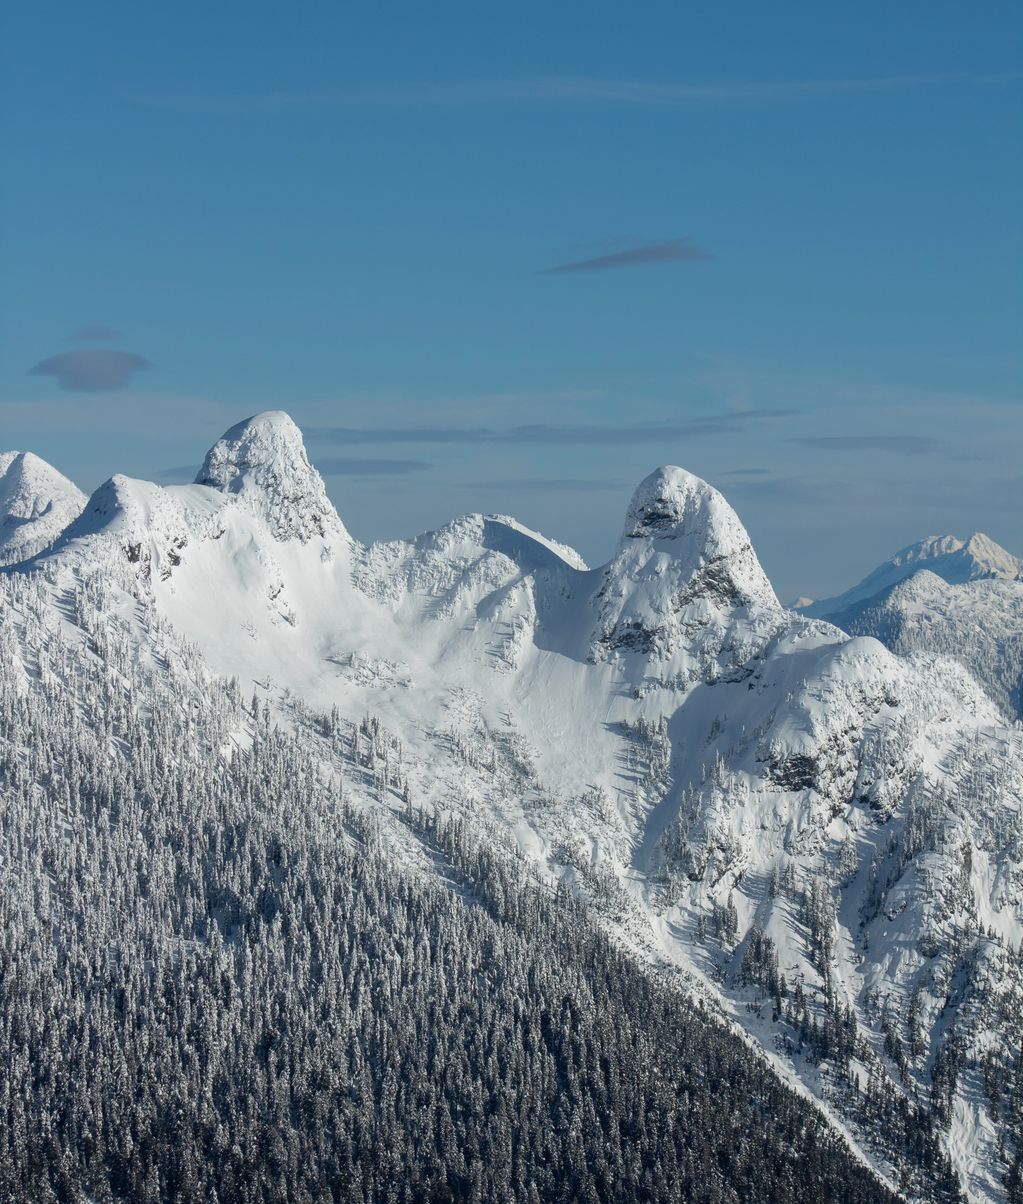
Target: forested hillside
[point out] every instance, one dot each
(222, 979)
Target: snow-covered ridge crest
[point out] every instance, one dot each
(948, 596)
(135, 526)
(262, 461)
(958, 560)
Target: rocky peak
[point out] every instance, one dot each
(678, 517)
(684, 562)
(263, 462)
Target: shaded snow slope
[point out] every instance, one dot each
(823, 837)
(36, 504)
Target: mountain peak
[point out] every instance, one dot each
(263, 445)
(684, 560)
(954, 560)
(690, 521)
(263, 461)
(665, 504)
(992, 558)
(36, 503)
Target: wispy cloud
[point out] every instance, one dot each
(790, 491)
(94, 334)
(548, 433)
(558, 90)
(397, 434)
(546, 484)
(909, 445)
(678, 250)
(342, 467)
(91, 370)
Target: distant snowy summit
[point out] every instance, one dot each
(36, 504)
(953, 560)
(957, 598)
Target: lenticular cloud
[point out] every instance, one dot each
(91, 370)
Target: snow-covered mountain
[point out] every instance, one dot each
(948, 597)
(36, 504)
(822, 838)
(953, 560)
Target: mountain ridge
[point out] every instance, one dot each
(955, 560)
(731, 787)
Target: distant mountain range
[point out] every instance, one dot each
(820, 840)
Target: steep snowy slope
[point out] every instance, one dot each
(825, 838)
(36, 504)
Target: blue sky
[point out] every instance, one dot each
(798, 228)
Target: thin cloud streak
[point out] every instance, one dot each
(549, 434)
(94, 334)
(353, 467)
(544, 485)
(678, 250)
(329, 466)
(910, 445)
(558, 90)
(182, 474)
